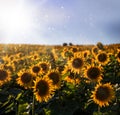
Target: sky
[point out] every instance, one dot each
(53, 22)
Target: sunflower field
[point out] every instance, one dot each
(60, 79)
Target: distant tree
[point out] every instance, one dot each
(65, 44)
(70, 44)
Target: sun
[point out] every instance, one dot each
(15, 18)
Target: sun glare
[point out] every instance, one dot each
(15, 19)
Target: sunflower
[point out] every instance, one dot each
(70, 77)
(74, 49)
(45, 66)
(5, 76)
(55, 76)
(117, 55)
(5, 59)
(102, 58)
(25, 78)
(10, 66)
(103, 94)
(20, 54)
(35, 69)
(93, 73)
(66, 53)
(35, 56)
(95, 50)
(76, 63)
(86, 53)
(43, 89)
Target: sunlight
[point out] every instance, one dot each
(15, 18)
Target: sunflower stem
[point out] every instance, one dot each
(99, 109)
(33, 105)
(16, 107)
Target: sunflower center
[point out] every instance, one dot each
(36, 69)
(102, 93)
(11, 58)
(35, 56)
(42, 87)
(26, 77)
(54, 77)
(102, 57)
(93, 72)
(77, 63)
(3, 75)
(85, 54)
(95, 50)
(44, 66)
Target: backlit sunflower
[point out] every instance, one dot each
(93, 73)
(25, 78)
(102, 58)
(76, 63)
(117, 55)
(55, 76)
(5, 76)
(43, 89)
(103, 94)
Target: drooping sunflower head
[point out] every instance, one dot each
(5, 76)
(102, 58)
(25, 78)
(103, 94)
(93, 73)
(43, 89)
(76, 63)
(55, 76)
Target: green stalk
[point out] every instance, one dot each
(33, 105)
(16, 108)
(99, 109)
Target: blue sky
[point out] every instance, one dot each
(58, 21)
